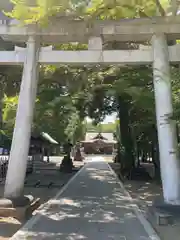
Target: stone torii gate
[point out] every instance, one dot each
(156, 30)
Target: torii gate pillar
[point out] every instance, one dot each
(169, 162)
(22, 131)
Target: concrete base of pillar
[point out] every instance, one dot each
(168, 208)
(20, 208)
(164, 214)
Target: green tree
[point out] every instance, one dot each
(74, 93)
(41, 11)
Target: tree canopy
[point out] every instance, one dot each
(68, 94)
(41, 11)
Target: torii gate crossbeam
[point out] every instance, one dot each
(53, 57)
(124, 30)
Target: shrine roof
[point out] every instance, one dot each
(42, 138)
(93, 136)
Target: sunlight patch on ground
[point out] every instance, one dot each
(43, 235)
(70, 202)
(97, 159)
(9, 220)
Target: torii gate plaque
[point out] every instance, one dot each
(156, 30)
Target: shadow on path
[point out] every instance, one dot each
(93, 206)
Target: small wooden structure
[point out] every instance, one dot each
(37, 142)
(41, 145)
(99, 143)
(42, 140)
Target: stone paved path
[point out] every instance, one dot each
(93, 206)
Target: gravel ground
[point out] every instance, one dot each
(45, 174)
(143, 194)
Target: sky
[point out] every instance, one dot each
(110, 118)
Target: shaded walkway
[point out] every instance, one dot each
(92, 206)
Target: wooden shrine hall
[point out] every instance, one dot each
(99, 143)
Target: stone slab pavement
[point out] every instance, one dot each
(93, 206)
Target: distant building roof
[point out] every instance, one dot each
(92, 136)
(42, 138)
(49, 138)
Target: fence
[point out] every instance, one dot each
(4, 165)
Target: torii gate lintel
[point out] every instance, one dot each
(47, 56)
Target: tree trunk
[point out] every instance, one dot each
(1, 109)
(155, 159)
(177, 132)
(127, 158)
(1, 100)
